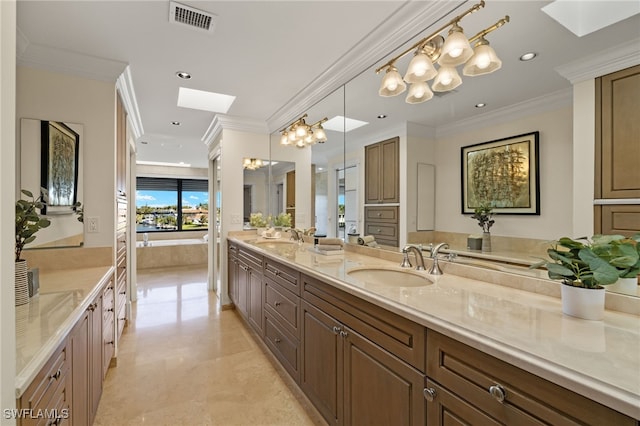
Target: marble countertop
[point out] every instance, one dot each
(598, 359)
(44, 323)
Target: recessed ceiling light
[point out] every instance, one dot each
(175, 123)
(206, 101)
(343, 124)
(144, 142)
(183, 75)
(481, 105)
(382, 116)
(528, 56)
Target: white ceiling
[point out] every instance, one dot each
(266, 53)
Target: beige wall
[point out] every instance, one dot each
(556, 178)
(46, 95)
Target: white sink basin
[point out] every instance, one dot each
(389, 277)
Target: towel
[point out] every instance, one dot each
(330, 241)
(329, 247)
(366, 240)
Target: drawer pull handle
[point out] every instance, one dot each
(429, 394)
(109, 343)
(92, 307)
(343, 334)
(123, 292)
(277, 272)
(379, 214)
(336, 329)
(277, 303)
(378, 230)
(109, 310)
(277, 340)
(57, 374)
(497, 392)
(244, 268)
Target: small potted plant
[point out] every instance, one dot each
(623, 253)
(283, 220)
(256, 220)
(28, 222)
(583, 274)
(484, 215)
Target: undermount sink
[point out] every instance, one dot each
(275, 241)
(390, 277)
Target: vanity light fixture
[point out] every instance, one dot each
(448, 53)
(252, 163)
(301, 134)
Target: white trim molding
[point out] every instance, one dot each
(602, 63)
(124, 84)
(229, 122)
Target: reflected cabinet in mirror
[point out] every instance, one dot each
(51, 158)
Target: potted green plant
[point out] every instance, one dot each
(623, 253)
(256, 220)
(484, 215)
(283, 220)
(583, 274)
(28, 222)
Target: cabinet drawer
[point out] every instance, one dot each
(528, 399)
(50, 389)
(283, 345)
(381, 214)
(252, 259)
(400, 336)
(287, 277)
(382, 230)
(283, 306)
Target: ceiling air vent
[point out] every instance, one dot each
(194, 18)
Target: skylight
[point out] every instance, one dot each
(206, 101)
(585, 17)
(342, 124)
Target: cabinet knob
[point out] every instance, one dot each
(336, 329)
(57, 374)
(277, 340)
(277, 303)
(277, 273)
(109, 310)
(429, 394)
(378, 231)
(497, 392)
(379, 214)
(92, 307)
(343, 334)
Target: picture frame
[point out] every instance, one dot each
(60, 147)
(503, 173)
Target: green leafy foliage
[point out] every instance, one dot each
(28, 220)
(484, 215)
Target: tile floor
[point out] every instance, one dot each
(182, 361)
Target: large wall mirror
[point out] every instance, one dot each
(51, 157)
(431, 134)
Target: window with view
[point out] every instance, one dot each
(167, 204)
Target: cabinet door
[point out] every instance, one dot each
(390, 171)
(95, 356)
(232, 276)
(322, 372)
(80, 370)
(379, 388)
(255, 300)
(243, 284)
(372, 179)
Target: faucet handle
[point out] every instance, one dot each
(406, 263)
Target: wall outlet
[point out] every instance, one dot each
(236, 219)
(93, 224)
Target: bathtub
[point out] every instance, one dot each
(177, 252)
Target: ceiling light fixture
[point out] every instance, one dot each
(381, 116)
(301, 134)
(528, 56)
(183, 75)
(448, 53)
(175, 123)
(252, 163)
(481, 105)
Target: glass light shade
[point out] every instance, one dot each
(301, 130)
(483, 61)
(284, 139)
(419, 92)
(300, 143)
(447, 79)
(309, 139)
(257, 163)
(420, 69)
(392, 83)
(292, 135)
(320, 135)
(246, 163)
(456, 49)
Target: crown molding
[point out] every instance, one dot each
(601, 63)
(221, 122)
(560, 99)
(124, 84)
(404, 24)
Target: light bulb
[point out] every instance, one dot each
(292, 135)
(320, 135)
(447, 79)
(420, 68)
(456, 48)
(419, 92)
(483, 61)
(392, 83)
(284, 139)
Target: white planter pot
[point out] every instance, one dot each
(585, 303)
(625, 286)
(21, 283)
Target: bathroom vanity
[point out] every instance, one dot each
(443, 349)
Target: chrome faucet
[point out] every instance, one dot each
(406, 263)
(296, 235)
(435, 268)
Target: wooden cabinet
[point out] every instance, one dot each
(347, 370)
(121, 296)
(232, 273)
(382, 172)
(290, 199)
(95, 356)
(50, 392)
(108, 327)
(617, 152)
(468, 386)
(382, 222)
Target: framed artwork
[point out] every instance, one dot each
(60, 147)
(502, 173)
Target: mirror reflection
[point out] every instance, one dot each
(255, 189)
(51, 157)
